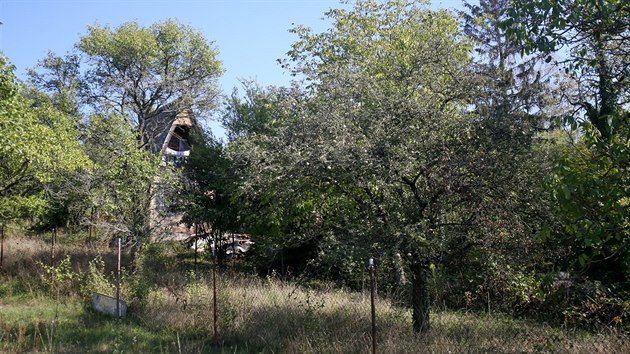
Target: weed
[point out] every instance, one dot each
(96, 281)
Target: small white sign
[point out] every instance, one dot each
(107, 305)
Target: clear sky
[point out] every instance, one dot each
(250, 35)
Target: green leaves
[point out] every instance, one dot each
(211, 186)
(118, 182)
(591, 188)
(138, 72)
(381, 146)
(43, 144)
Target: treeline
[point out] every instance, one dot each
(481, 157)
(82, 130)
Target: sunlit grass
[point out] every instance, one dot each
(42, 325)
(275, 316)
(255, 315)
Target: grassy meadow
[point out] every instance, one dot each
(171, 311)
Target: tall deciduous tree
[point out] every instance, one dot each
(136, 72)
(383, 152)
(60, 79)
(143, 75)
(141, 71)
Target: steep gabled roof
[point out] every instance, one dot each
(162, 128)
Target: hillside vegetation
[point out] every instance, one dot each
(175, 314)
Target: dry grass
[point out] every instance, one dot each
(21, 253)
(24, 256)
(271, 316)
(254, 315)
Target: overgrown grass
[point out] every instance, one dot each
(175, 314)
(42, 325)
(272, 316)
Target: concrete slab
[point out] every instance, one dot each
(107, 305)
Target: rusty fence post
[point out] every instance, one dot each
(214, 295)
(4, 222)
(372, 301)
(53, 240)
(118, 279)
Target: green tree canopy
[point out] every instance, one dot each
(124, 86)
(589, 39)
(382, 151)
(136, 72)
(43, 144)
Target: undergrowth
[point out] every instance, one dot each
(172, 311)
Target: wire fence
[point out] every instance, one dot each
(210, 308)
(276, 316)
(273, 315)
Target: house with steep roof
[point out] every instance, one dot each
(170, 134)
(171, 140)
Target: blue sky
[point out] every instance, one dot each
(250, 35)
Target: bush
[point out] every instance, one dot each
(61, 278)
(155, 266)
(95, 280)
(589, 304)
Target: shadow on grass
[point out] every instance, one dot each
(287, 328)
(71, 328)
(96, 333)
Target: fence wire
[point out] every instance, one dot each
(271, 314)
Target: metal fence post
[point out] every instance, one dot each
(233, 253)
(196, 240)
(2, 243)
(214, 295)
(53, 239)
(372, 301)
(118, 279)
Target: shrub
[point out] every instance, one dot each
(61, 278)
(95, 280)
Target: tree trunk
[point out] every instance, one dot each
(420, 296)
